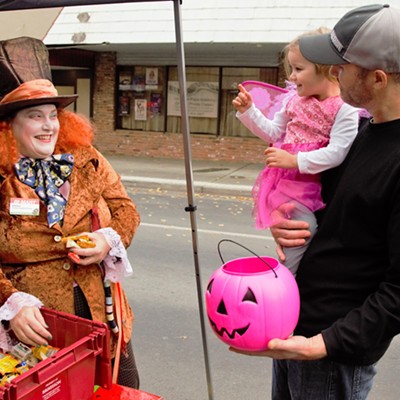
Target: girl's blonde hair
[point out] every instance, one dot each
(319, 68)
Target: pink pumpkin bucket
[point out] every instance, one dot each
(251, 300)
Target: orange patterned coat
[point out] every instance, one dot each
(33, 258)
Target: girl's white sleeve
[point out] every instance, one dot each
(267, 130)
(343, 133)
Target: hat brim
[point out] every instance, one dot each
(320, 50)
(8, 109)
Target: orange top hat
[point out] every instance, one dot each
(25, 76)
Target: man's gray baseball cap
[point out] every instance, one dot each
(367, 36)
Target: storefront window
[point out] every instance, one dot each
(149, 98)
(202, 98)
(141, 98)
(231, 77)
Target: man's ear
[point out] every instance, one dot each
(380, 79)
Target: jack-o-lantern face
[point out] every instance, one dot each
(247, 309)
(222, 311)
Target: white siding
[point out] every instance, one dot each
(204, 21)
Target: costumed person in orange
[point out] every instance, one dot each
(54, 184)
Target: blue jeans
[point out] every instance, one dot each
(320, 380)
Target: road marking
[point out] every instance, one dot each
(208, 231)
(182, 183)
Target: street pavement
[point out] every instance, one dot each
(203, 176)
(235, 179)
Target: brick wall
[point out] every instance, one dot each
(104, 93)
(157, 144)
(170, 145)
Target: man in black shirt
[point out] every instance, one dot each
(349, 278)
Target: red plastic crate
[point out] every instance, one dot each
(82, 361)
(4, 393)
(118, 392)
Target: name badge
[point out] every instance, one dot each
(24, 206)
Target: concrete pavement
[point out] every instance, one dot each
(212, 177)
(227, 178)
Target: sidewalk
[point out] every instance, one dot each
(211, 177)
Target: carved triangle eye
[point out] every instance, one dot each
(249, 296)
(209, 286)
(221, 308)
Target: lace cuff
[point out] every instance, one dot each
(10, 309)
(116, 263)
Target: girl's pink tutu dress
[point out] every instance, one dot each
(309, 128)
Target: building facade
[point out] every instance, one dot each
(121, 61)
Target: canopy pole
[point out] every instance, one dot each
(191, 208)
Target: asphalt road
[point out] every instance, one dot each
(164, 297)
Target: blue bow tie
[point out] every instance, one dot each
(45, 177)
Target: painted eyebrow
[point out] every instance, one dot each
(37, 110)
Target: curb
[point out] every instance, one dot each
(199, 187)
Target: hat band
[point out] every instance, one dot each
(34, 89)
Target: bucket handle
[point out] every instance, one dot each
(244, 247)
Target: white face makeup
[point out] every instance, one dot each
(36, 130)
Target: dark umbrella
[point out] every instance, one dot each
(8, 5)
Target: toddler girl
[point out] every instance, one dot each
(315, 129)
